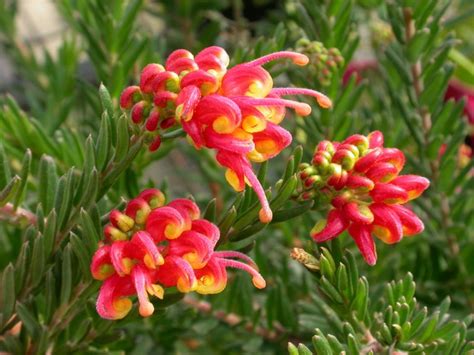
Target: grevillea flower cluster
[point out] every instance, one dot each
(151, 246)
(360, 179)
(236, 112)
(323, 61)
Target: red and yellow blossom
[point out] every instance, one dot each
(152, 246)
(360, 179)
(235, 111)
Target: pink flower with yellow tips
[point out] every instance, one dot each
(236, 112)
(360, 179)
(152, 246)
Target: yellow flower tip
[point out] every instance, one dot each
(160, 260)
(184, 286)
(193, 260)
(104, 272)
(318, 227)
(146, 309)
(125, 223)
(148, 260)
(233, 180)
(324, 101)
(156, 290)
(259, 282)
(122, 306)
(301, 59)
(172, 231)
(265, 215)
(127, 264)
(303, 109)
(253, 124)
(222, 125)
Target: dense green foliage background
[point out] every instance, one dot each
(66, 159)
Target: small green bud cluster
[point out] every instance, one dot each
(323, 61)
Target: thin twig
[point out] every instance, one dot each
(233, 319)
(18, 215)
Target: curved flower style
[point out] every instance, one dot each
(360, 178)
(150, 247)
(236, 112)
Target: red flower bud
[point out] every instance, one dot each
(375, 139)
(360, 183)
(113, 234)
(325, 146)
(139, 111)
(154, 197)
(393, 156)
(360, 214)
(155, 144)
(328, 229)
(129, 97)
(387, 225)
(411, 223)
(388, 193)
(414, 185)
(364, 163)
(365, 242)
(382, 172)
(121, 221)
(138, 209)
(148, 75)
(358, 140)
(344, 157)
(152, 121)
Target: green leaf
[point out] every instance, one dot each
(290, 213)
(28, 320)
(292, 350)
(63, 203)
(303, 350)
(335, 345)
(83, 256)
(326, 268)
(7, 293)
(320, 343)
(10, 190)
(227, 221)
(38, 262)
(122, 143)
(210, 211)
(49, 233)
(103, 145)
(21, 266)
(5, 173)
(330, 290)
(361, 300)
(25, 170)
(90, 234)
(48, 180)
(66, 275)
(417, 44)
(284, 193)
(50, 295)
(464, 66)
(428, 328)
(353, 345)
(399, 65)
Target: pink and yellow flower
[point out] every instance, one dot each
(360, 178)
(234, 111)
(152, 246)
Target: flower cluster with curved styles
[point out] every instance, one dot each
(237, 112)
(151, 246)
(360, 179)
